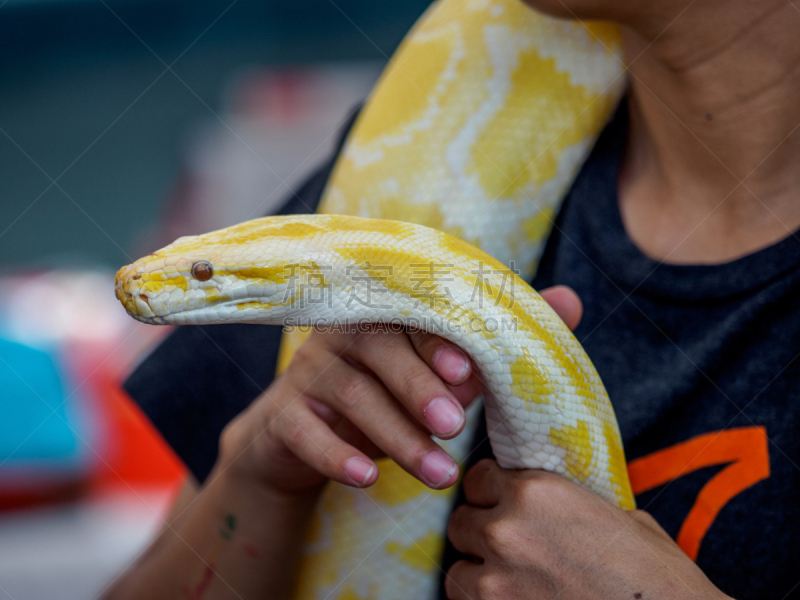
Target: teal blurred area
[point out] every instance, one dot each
(39, 431)
(98, 100)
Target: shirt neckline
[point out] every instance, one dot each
(617, 256)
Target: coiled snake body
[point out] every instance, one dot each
(476, 129)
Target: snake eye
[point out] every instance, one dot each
(202, 270)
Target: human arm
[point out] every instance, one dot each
(244, 528)
(226, 539)
(261, 481)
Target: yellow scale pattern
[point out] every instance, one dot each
(477, 128)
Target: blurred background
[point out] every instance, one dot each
(124, 124)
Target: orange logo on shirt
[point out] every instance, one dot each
(746, 452)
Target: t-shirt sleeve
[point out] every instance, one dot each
(200, 377)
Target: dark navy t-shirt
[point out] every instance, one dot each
(700, 362)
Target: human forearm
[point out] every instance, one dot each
(234, 538)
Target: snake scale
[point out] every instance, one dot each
(454, 169)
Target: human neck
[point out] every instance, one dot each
(711, 172)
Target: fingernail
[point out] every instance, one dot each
(358, 470)
(451, 364)
(443, 416)
(437, 467)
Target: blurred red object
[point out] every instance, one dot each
(137, 455)
(95, 345)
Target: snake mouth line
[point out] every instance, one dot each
(165, 319)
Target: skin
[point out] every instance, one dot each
(710, 173)
(708, 177)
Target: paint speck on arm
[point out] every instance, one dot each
(228, 527)
(197, 592)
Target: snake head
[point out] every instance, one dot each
(174, 280)
(236, 274)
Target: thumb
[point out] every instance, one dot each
(565, 302)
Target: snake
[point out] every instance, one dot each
(435, 215)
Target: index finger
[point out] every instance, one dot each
(447, 360)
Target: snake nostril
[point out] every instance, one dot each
(144, 299)
(136, 277)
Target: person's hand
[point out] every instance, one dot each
(349, 398)
(535, 534)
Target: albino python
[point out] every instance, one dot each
(476, 129)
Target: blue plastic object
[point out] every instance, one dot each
(40, 428)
